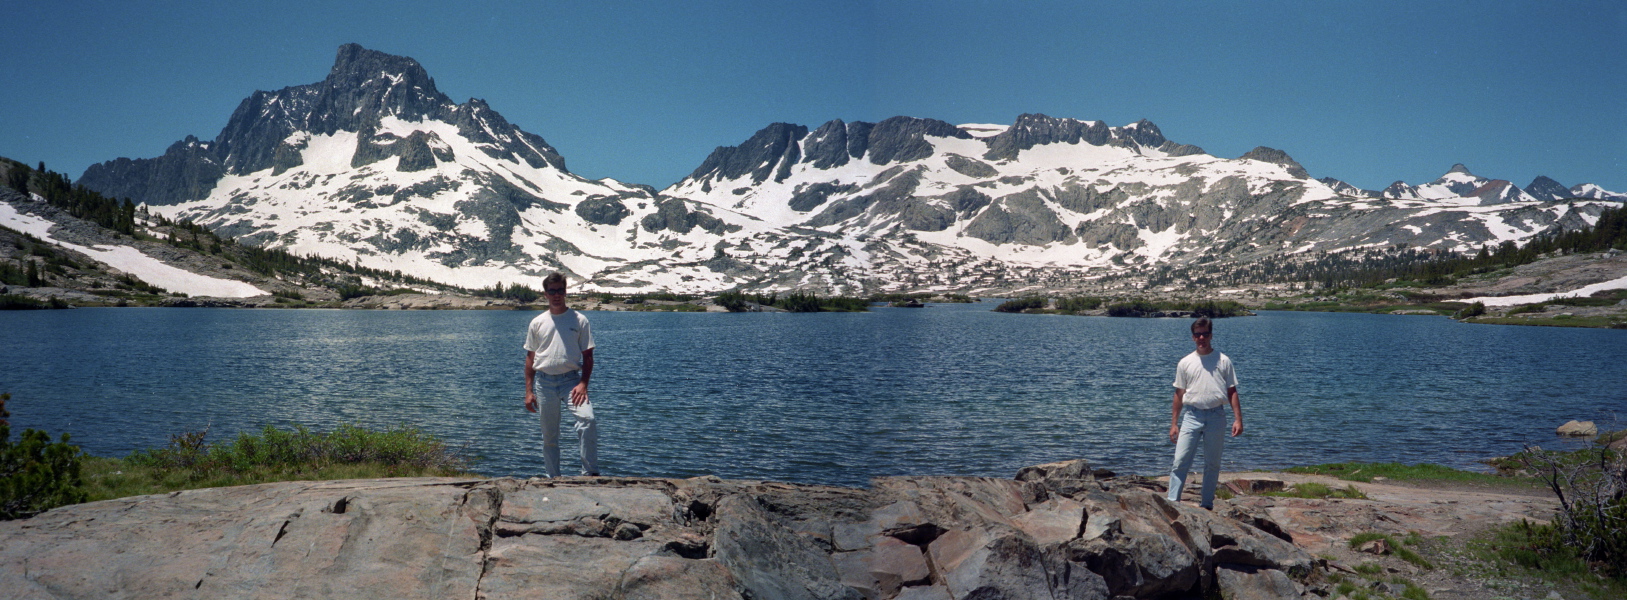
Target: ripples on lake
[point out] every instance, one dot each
(824, 398)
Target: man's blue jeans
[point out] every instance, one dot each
(1205, 426)
(554, 391)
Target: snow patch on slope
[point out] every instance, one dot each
(1581, 292)
(132, 261)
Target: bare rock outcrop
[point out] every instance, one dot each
(1056, 532)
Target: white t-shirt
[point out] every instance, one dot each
(558, 341)
(1205, 379)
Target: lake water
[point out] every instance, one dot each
(818, 398)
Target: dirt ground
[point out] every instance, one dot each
(1444, 516)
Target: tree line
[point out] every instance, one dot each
(76, 200)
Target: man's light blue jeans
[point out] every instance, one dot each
(553, 392)
(1206, 426)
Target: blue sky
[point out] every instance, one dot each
(1369, 92)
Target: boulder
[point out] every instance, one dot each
(882, 570)
(990, 563)
(1237, 582)
(1578, 429)
(674, 578)
(1068, 469)
(1065, 477)
(1135, 541)
(1378, 546)
(769, 559)
(1052, 523)
(1254, 486)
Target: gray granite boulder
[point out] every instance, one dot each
(1578, 429)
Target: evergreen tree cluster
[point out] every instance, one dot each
(1021, 304)
(77, 200)
(516, 292)
(737, 301)
(1610, 232)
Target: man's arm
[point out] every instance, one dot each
(1237, 412)
(1175, 416)
(579, 394)
(530, 381)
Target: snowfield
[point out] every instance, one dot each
(1581, 292)
(133, 262)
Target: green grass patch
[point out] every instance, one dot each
(1608, 322)
(348, 452)
(1316, 490)
(1414, 592)
(1365, 472)
(1399, 550)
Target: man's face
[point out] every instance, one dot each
(555, 295)
(1202, 337)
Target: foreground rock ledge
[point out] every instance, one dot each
(1054, 532)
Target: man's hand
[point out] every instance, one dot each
(1174, 433)
(1237, 428)
(579, 394)
(531, 401)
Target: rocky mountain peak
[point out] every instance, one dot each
(362, 91)
(1547, 190)
(1144, 132)
(903, 139)
(355, 65)
(1275, 156)
(366, 85)
(772, 146)
(1032, 129)
(1459, 168)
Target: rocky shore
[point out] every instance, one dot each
(1055, 531)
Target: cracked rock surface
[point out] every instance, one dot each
(1055, 533)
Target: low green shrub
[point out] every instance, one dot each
(1473, 310)
(1021, 304)
(732, 301)
(36, 474)
(1311, 489)
(275, 450)
(1525, 309)
(1078, 303)
(1592, 518)
(1132, 308)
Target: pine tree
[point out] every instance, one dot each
(32, 272)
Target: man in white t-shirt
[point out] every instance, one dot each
(1204, 384)
(558, 365)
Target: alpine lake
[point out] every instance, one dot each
(832, 398)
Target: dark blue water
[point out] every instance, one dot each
(824, 398)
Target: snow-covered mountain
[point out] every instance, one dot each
(373, 164)
(1588, 190)
(1460, 183)
(1051, 202)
